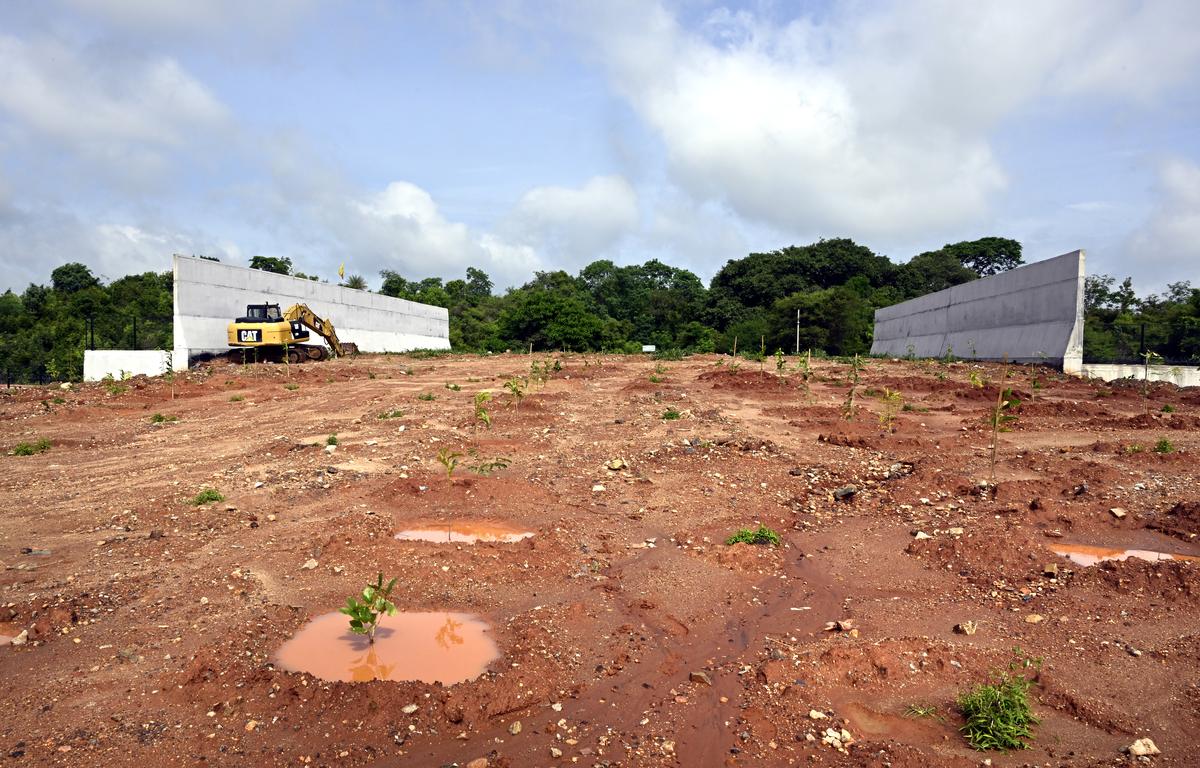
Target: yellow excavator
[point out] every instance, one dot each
(276, 336)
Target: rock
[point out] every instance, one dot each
(20, 639)
(555, 752)
(955, 531)
(597, 488)
(1034, 618)
(816, 714)
(330, 449)
(479, 762)
(845, 492)
(1143, 748)
(796, 472)
(616, 464)
(966, 628)
(251, 725)
(921, 536)
(408, 709)
(700, 677)
(1117, 512)
(1051, 569)
(157, 534)
(514, 727)
(309, 564)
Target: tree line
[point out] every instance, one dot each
(830, 288)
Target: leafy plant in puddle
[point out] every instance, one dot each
(761, 535)
(375, 603)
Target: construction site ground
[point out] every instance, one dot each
(629, 632)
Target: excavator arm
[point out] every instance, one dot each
(323, 328)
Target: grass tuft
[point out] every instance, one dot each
(1164, 446)
(763, 535)
(207, 496)
(29, 449)
(671, 414)
(998, 714)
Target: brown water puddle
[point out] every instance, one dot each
(444, 648)
(1086, 554)
(464, 532)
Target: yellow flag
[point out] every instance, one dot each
(342, 270)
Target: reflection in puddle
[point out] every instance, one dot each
(431, 647)
(464, 532)
(1085, 554)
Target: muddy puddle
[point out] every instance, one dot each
(444, 648)
(464, 532)
(1086, 554)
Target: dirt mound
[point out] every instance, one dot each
(1181, 521)
(724, 378)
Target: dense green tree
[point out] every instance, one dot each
(280, 266)
(73, 277)
(987, 255)
(931, 271)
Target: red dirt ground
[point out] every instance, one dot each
(630, 634)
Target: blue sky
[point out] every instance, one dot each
(517, 136)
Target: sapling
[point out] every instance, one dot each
(975, 379)
(892, 402)
(779, 362)
(365, 614)
(449, 460)
(999, 418)
(481, 414)
(516, 388)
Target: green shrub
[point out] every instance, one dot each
(236, 398)
(291, 387)
(998, 714)
(427, 396)
(1168, 408)
(763, 535)
(158, 418)
(395, 413)
(1164, 446)
(61, 400)
(332, 439)
(452, 387)
(207, 496)
(671, 414)
(29, 449)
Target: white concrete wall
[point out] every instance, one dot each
(209, 295)
(1179, 375)
(1033, 313)
(118, 363)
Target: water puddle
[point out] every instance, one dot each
(464, 532)
(444, 648)
(1085, 554)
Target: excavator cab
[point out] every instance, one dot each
(261, 313)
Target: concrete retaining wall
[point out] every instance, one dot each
(119, 363)
(1029, 314)
(1179, 375)
(209, 295)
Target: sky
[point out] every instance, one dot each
(513, 136)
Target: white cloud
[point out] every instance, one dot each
(571, 226)
(1166, 248)
(123, 113)
(877, 121)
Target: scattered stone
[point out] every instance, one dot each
(700, 677)
(330, 449)
(309, 564)
(844, 493)
(845, 625)
(514, 727)
(555, 752)
(20, 639)
(1143, 748)
(816, 714)
(597, 488)
(1051, 569)
(157, 534)
(796, 472)
(956, 531)
(617, 464)
(1117, 512)
(251, 725)
(921, 536)
(1034, 618)
(966, 628)
(408, 709)
(479, 762)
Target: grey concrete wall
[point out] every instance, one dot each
(118, 363)
(209, 295)
(1030, 314)
(1179, 375)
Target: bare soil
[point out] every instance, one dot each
(629, 633)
